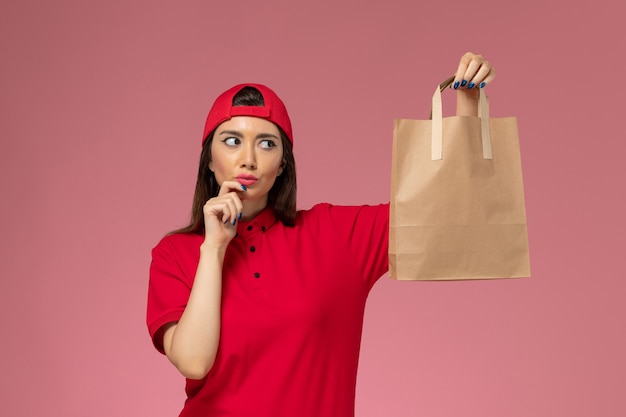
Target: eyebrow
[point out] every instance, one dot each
(240, 135)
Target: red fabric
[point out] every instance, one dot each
(274, 110)
(290, 338)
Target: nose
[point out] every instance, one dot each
(248, 157)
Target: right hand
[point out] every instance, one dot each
(221, 214)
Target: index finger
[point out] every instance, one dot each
(468, 65)
(231, 186)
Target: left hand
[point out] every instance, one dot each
(474, 72)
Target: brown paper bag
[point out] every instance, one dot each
(457, 198)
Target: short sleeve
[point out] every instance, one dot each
(169, 288)
(370, 241)
(366, 229)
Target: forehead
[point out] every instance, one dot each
(249, 125)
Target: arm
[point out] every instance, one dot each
(473, 73)
(191, 343)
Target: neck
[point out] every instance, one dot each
(253, 207)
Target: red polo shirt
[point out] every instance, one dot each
(292, 311)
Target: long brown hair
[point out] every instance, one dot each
(282, 195)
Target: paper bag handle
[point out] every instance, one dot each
(437, 122)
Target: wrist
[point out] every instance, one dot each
(213, 249)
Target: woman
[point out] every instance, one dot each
(261, 307)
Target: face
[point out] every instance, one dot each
(248, 150)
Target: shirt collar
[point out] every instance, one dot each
(264, 220)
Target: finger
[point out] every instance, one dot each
(489, 78)
(228, 214)
(220, 209)
(232, 210)
(472, 69)
(482, 76)
(213, 208)
(235, 204)
(231, 186)
(230, 207)
(238, 205)
(459, 76)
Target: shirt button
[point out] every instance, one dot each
(257, 275)
(249, 228)
(252, 248)
(263, 228)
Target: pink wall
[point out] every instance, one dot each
(102, 108)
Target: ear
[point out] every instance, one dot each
(211, 166)
(281, 168)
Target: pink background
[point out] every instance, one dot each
(102, 109)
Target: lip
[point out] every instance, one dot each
(246, 179)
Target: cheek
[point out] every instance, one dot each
(278, 167)
(218, 170)
(278, 163)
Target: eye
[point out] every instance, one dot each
(267, 144)
(231, 141)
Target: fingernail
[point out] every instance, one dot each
(470, 85)
(482, 85)
(463, 83)
(225, 221)
(456, 85)
(243, 187)
(234, 221)
(239, 217)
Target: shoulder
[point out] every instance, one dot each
(176, 256)
(338, 213)
(178, 243)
